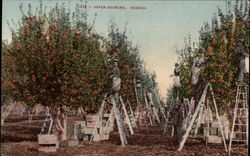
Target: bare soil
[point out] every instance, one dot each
(19, 138)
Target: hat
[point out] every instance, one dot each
(115, 60)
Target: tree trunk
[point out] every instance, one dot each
(60, 124)
(37, 109)
(29, 115)
(47, 110)
(84, 113)
(5, 111)
(22, 109)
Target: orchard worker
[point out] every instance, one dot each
(177, 83)
(198, 65)
(243, 60)
(116, 80)
(197, 81)
(150, 96)
(177, 121)
(139, 88)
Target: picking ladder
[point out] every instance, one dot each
(131, 115)
(241, 106)
(196, 115)
(149, 111)
(127, 117)
(161, 108)
(47, 125)
(156, 115)
(168, 116)
(99, 119)
(119, 121)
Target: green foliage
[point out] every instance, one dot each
(56, 60)
(130, 64)
(219, 44)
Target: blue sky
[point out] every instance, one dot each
(157, 30)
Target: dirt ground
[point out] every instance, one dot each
(19, 138)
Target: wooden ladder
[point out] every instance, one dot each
(162, 111)
(131, 116)
(47, 125)
(154, 113)
(127, 117)
(119, 121)
(168, 116)
(196, 115)
(149, 111)
(240, 111)
(98, 123)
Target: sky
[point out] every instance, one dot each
(157, 30)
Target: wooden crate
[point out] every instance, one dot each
(105, 130)
(69, 143)
(91, 124)
(70, 130)
(214, 139)
(206, 131)
(96, 137)
(48, 143)
(91, 117)
(105, 116)
(104, 136)
(88, 130)
(213, 131)
(215, 124)
(86, 137)
(74, 129)
(82, 123)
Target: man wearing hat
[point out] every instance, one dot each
(139, 88)
(242, 55)
(197, 80)
(116, 80)
(198, 65)
(177, 83)
(177, 75)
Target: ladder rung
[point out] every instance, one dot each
(241, 116)
(240, 124)
(240, 132)
(242, 85)
(240, 140)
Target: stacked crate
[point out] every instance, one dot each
(48, 143)
(214, 133)
(105, 128)
(74, 129)
(90, 126)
